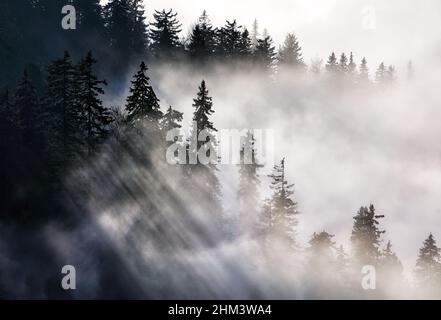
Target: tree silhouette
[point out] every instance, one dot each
(366, 236)
(283, 209)
(142, 103)
(428, 265)
(164, 34)
(290, 54)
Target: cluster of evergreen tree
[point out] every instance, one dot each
(347, 67)
(52, 125)
(42, 136)
(117, 33)
(46, 135)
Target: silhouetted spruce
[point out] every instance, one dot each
(245, 46)
(380, 74)
(171, 120)
(321, 250)
(265, 54)
(290, 53)
(142, 104)
(96, 117)
(366, 236)
(164, 34)
(352, 67)
(364, 71)
(282, 207)
(63, 117)
(332, 64)
(229, 41)
(206, 170)
(428, 265)
(202, 43)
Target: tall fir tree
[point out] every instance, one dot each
(282, 208)
(245, 47)
(119, 26)
(352, 66)
(202, 39)
(164, 34)
(91, 30)
(428, 265)
(290, 54)
(229, 41)
(142, 103)
(380, 74)
(265, 54)
(140, 38)
(343, 64)
(332, 64)
(62, 114)
(204, 170)
(97, 118)
(321, 250)
(364, 71)
(171, 120)
(366, 236)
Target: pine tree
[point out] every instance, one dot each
(380, 74)
(249, 182)
(331, 64)
(164, 33)
(290, 54)
(202, 39)
(245, 47)
(343, 64)
(428, 266)
(62, 114)
(142, 104)
(203, 105)
(321, 249)
(366, 236)
(171, 120)
(139, 36)
(91, 31)
(283, 209)
(265, 54)
(229, 41)
(364, 71)
(119, 26)
(96, 117)
(352, 67)
(205, 171)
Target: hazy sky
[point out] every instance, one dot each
(403, 29)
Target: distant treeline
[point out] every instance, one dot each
(31, 35)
